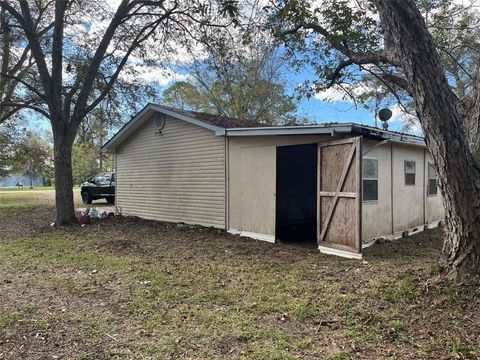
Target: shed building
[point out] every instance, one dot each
(338, 185)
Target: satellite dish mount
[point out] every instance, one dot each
(159, 123)
(385, 115)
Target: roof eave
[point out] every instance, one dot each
(136, 122)
(219, 131)
(388, 135)
(347, 128)
(289, 130)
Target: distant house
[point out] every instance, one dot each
(13, 179)
(334, 184)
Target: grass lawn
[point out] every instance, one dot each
(126, 288)
(35, 188)
(26, 188)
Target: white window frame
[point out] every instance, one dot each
(431, 178)
(405, 172)
(373, 201)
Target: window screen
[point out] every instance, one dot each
(432, 180)
(370, 179)
(409, 172)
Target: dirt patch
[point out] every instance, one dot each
(30, 213)
(26, 214)
(29, 223)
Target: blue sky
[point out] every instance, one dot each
(323, 111)
(338, 107)
(314, 109)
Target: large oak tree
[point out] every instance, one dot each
(79, 51)
(390, 38)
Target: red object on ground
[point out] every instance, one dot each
(85, 219)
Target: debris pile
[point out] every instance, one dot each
(92, 213)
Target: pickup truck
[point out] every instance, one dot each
(101, 186)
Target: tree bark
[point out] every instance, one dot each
(63, 180)
(407, 38)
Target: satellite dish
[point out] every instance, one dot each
(384, 115)
(159, 122)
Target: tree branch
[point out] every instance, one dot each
(26, 106)
(338, 70)
(357, 58)
(397, 80)
(141, 36)
(26, 84)
(57, 55)
(92, 72)
(34, 41)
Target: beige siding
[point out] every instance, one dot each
(434, 209)
(407, 199)
(252, 180)
(410, 204)
(376, 215)
(175, 176)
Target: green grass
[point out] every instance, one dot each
(27, 188)
(130, 289)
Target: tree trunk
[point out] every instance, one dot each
(411, 45)
(63, 182)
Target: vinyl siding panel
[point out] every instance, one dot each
(175, 176)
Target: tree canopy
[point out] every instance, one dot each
(32, 157)
(239, 72)
(81, 50)
(348, 42)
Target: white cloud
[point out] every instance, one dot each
(158, 75)
(397, 113)
(341, 93)
(331, 94)
(336, 94)
(405, 119)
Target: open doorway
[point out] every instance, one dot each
(296, 195)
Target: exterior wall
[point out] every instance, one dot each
(399, 206)
(176, 176)
(408, 208)
(179, 176)
(252, 180)
(377, 215)
(434, 209)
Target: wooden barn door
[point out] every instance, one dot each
(339, 201)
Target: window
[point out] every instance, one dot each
(370, 179)
(409, 172)
(99, 179)
(432, 180)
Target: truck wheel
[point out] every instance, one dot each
(111, 199)
(86, 198)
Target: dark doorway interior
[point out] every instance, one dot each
(296, 200)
